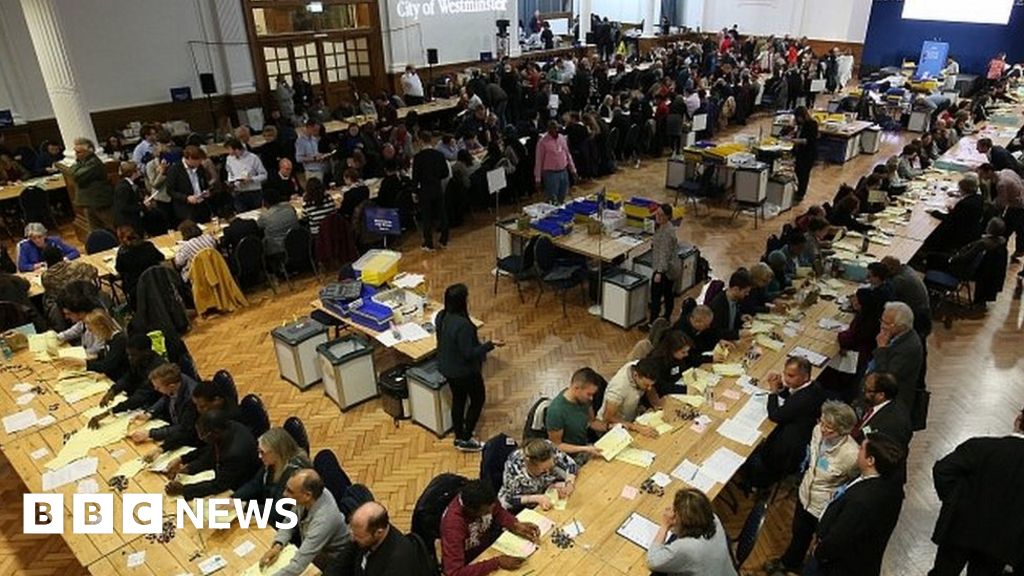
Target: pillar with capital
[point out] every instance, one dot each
(586, 9)
(650, 14)
(48, 39)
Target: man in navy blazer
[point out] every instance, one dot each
(855, 527)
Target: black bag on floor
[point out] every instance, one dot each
(394, 392)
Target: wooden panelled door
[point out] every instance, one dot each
(334, 66)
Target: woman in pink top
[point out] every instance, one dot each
(996, 67)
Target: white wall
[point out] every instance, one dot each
(843, 20)
(408, 31)
(128, 53)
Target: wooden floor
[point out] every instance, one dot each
(975, 373)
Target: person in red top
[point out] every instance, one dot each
(996, 66)
(553, 165)
(472, 522)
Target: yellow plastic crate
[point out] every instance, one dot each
(378, 266)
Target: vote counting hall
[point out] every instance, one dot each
(526, 287)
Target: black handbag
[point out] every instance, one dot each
(919, 413)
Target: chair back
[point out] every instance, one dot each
(335, 480)
(529, 253)
(249, 265)
(492, 459)
(355, 496)
(99, 241)
(13, 315)
(253, 414)
(714, 288)
(298, 250)
(535, 426)
(226, 382)
(35, 206)
(544, 254)
(430, 506)
(426, 555)
(297, 430)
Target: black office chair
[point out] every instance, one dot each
(335, 479)
(253, 414)
(251, 269)
(226, 382)
(100, 241)
(534, 426)
(35, 207)
(492, 459)
(297, 430)
(298, 251)
(518, 266)
(13, 315)
(559, 276)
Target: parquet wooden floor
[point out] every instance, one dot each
(975, 373)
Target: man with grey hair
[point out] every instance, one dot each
(94, 195)
(899, 351)
(325, 540)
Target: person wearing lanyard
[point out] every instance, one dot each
(805, 150)
(307, 151)
(246, 175)
(554, 164)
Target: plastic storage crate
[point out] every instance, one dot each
(377, 266)
(347, 368)
(295, 346)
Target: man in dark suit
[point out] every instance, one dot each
(794, 406)
(283, 179)
(855, 528)
(128, 197)
(899, 351)
(697, 324)
(230, 451)
(980, 525)
(963, 224)
(1000, 158)
(188, 186)
(882, 413)
(429, 169)
(728, 320)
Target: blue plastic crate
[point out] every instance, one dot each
(372, 315)
(551, 227)
(583, 207)
(342, 306)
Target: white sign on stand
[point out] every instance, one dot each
(496, 180)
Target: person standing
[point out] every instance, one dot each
(666, 263)
(307, 151)
(1007, 194)
(94, 195)
(996, 67)
(805, 150)
(188, 187)
(979, 486)
(460, 357)
(412, 86)
(554, 164)
(246, 175)
(285, 97)
(429, 171)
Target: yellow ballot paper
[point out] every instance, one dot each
(614, 441)
(761, 327)
(697, 379)
(766, 341)
(728, 369)
(636, 457)
(204, 476)
(45, 343)
(692, 399)
(130, 468)
(771, 318)
(512, 545)
(531, 516)
(79, 444)
(97, 410)
(286, 555)
(72, 353)
(557, 502)
(655, 420)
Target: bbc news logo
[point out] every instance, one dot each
(144, 513)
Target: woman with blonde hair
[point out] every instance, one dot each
(534, 469)
(281, 457)
(765, 289)
(832, 462)
(112, 358)
(698, 544)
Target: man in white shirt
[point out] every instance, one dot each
(412, 86)
(246, 176)
(622, 396)
(145, 146)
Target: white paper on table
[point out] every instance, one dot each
(40, 453)
(661, 479)
(244, 548)
(754, 412)
(813, 357)
(830, 324)
(845, 361)
(22, 387)
(88, 486)
(407, 280)
(25, 398)
(20, 421)
(160, 464)
(692, 475)
(739, 431)
(638, 530)
(46, 421)
(71, 473)
(573, 529)
(136, 558)
(408, 332)
(212, 564)
(747, 386)
(722, 465)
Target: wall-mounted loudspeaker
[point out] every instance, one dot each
(432, 56)
(207, 82)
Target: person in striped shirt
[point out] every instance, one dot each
(316, 205)
(194, 240)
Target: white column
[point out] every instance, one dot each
(650, 14)
(586, 9)
(46, 29)
(238, 76)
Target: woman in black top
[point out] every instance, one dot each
(844, 214)
(460, 356)
(671, 354)
(805, 150)
(134, 257)
(113, 358)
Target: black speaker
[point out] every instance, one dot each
(432, 56)
(207, 82)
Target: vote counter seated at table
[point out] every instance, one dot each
(229, 450)
(670, 358)
(570, 416)
(632, 383)
(281, 458)
(30, 249)
(471, 523)
(727, 318)
(168, 380)
(690, 539)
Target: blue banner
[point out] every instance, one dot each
(933, 59)
(383, 220)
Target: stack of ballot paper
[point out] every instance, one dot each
(765, 341)
(697, 379)
(531, 516)
(614, 441)
(510, 544)
(655, 420)
(636, 457)
(728, 370)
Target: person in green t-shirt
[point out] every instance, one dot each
(571, 414)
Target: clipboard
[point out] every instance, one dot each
(638, 530)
